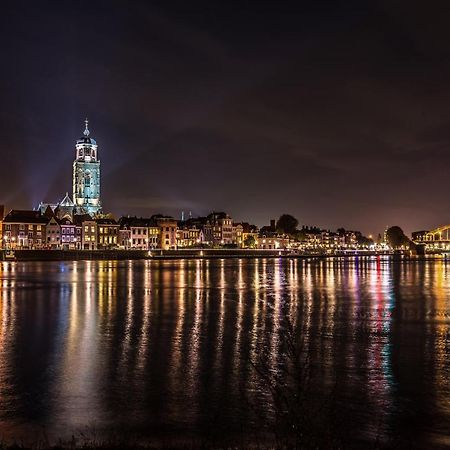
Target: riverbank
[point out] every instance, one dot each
(79, 255)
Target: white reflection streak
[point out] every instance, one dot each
(129, 316)
(79, 397)
(194, 351)
(221, 319)
(144, 334)
(240, 313)
(256, 314)
(177, 344)
(276, 316)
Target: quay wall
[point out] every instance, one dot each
(77, 255)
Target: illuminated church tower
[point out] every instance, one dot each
(86, 175)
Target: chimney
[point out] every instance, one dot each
(2, 212)
(273, 224)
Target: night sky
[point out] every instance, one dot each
(335, 112)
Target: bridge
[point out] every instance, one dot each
(438, 239)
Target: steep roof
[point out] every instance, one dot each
(136, 222)
(25, 216)
(78, 219)
(106, 221)
(66, 201)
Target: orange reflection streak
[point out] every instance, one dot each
(193, 356)
(129, 319)
(143, 340)
(176, 374)
(7, 337)
(293, 290)
(220, 321)
(439, 353)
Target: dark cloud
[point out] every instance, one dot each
(336, 112)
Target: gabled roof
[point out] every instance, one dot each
(106, 221)
(127, 222)
(25, 216)
(53, 219)
(78, 219)
(65, 221)
(66, 201)
(218, 215)
(49, 213)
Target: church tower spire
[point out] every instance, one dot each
(86, 129)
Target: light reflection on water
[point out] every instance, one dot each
(164, 347)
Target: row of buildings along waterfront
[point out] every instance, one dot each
(55, 229)
(78, 222)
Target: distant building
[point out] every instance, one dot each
(167, 232)
(153, 235)
(53, 234)
(88, 234)
(86, 175)
(272, 243)
(237, 235)
(222, 228)
(2, 215)
(249, 235)
(65, 208)
(107, 233)
(124, 239)
(269, 230)
(188, 235)
(24, 229)
(136, 233)
(418, 236)
(70, 239)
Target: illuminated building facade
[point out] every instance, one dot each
(86, 175)
(88, 234)
(24, 229)
(107, 233)
(168, 232)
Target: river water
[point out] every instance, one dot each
(167, 349)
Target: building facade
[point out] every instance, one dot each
(24, 230)
(70, 239)
(89, 235)
(53, 234)
(167, 232)
(107, 234)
